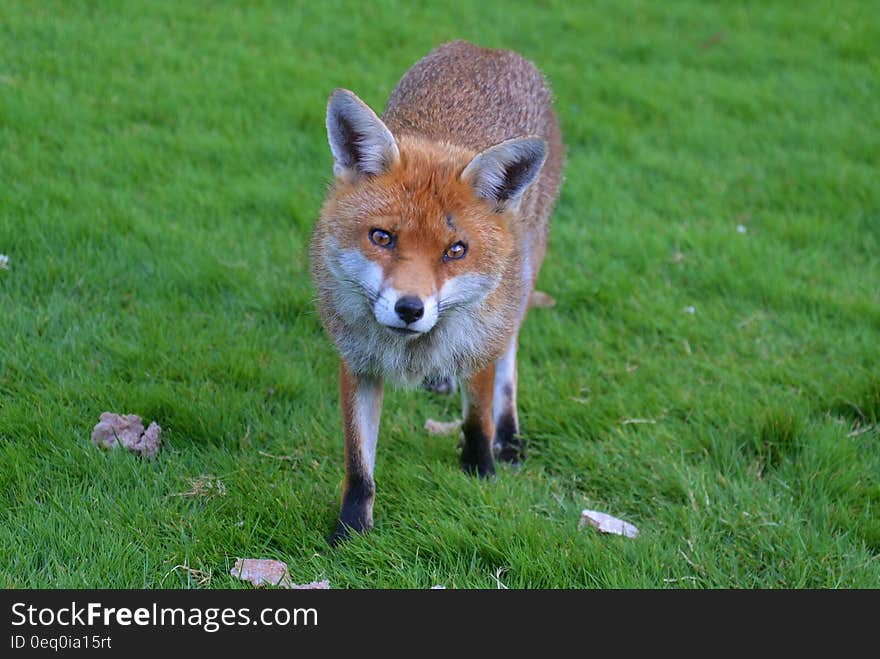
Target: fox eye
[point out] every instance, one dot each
(455, 251)
(381, 238)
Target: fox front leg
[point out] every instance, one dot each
(507, 445)
(361, 400)
(478, 427)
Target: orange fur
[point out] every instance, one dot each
(412, 200)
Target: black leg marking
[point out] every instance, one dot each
(508, 445)
(440, 385)
(476, 455)
(356, 514)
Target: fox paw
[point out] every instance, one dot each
(355, 517)
(439, 385)
(345, 532)
(484, 468)
(340, 535)
(511, 453)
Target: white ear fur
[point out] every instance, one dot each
(358, 139)
(502, 173)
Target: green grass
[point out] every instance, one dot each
(162, 165)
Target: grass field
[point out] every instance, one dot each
(715, 256)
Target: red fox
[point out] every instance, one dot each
(428, 246)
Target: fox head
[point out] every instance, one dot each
(418, 241)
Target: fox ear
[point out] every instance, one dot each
(359, 140)
(502, 173)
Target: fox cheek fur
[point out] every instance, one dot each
(428, 246)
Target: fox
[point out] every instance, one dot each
(428, 244)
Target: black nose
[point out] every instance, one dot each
(409, 308)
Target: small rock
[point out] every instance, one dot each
(268, 572)
(312, 585)
(605, 523)
(541, 300)
(127, 430)
(442, 427)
